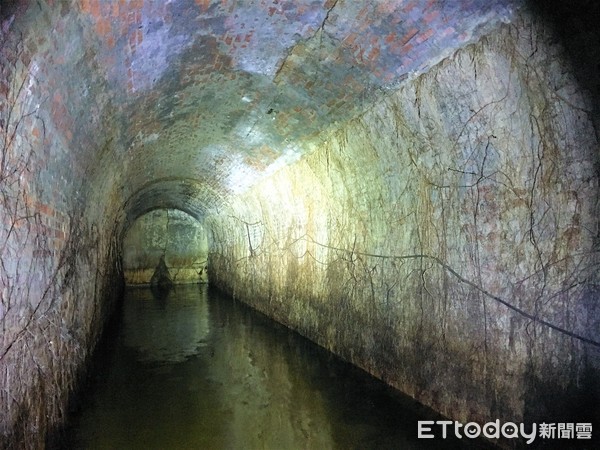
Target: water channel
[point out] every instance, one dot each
(197, 370)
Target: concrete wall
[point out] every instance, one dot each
(428, 239)
(177, 236)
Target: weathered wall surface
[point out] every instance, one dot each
(427, 239)
(394, 243)
(57, 245)
(177, 236)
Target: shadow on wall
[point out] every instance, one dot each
(165, 247)
(576, 24)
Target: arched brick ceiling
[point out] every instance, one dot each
(228, 90)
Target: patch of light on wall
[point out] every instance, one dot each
(289, 155)
(240, 176)
(149, 61)
(142, 138)
(250, 134)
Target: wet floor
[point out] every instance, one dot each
(197, 370)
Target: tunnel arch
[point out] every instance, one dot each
(363, 121)
(171, 195)
(187, 194)
(165, 244)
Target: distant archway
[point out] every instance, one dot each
(165, 237)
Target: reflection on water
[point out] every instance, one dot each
(194, 370)
(165, 328)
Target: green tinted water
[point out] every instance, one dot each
(196, 370)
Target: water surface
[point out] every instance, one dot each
(196, 370)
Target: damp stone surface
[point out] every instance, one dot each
(412, 185)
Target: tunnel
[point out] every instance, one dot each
(413, 185)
